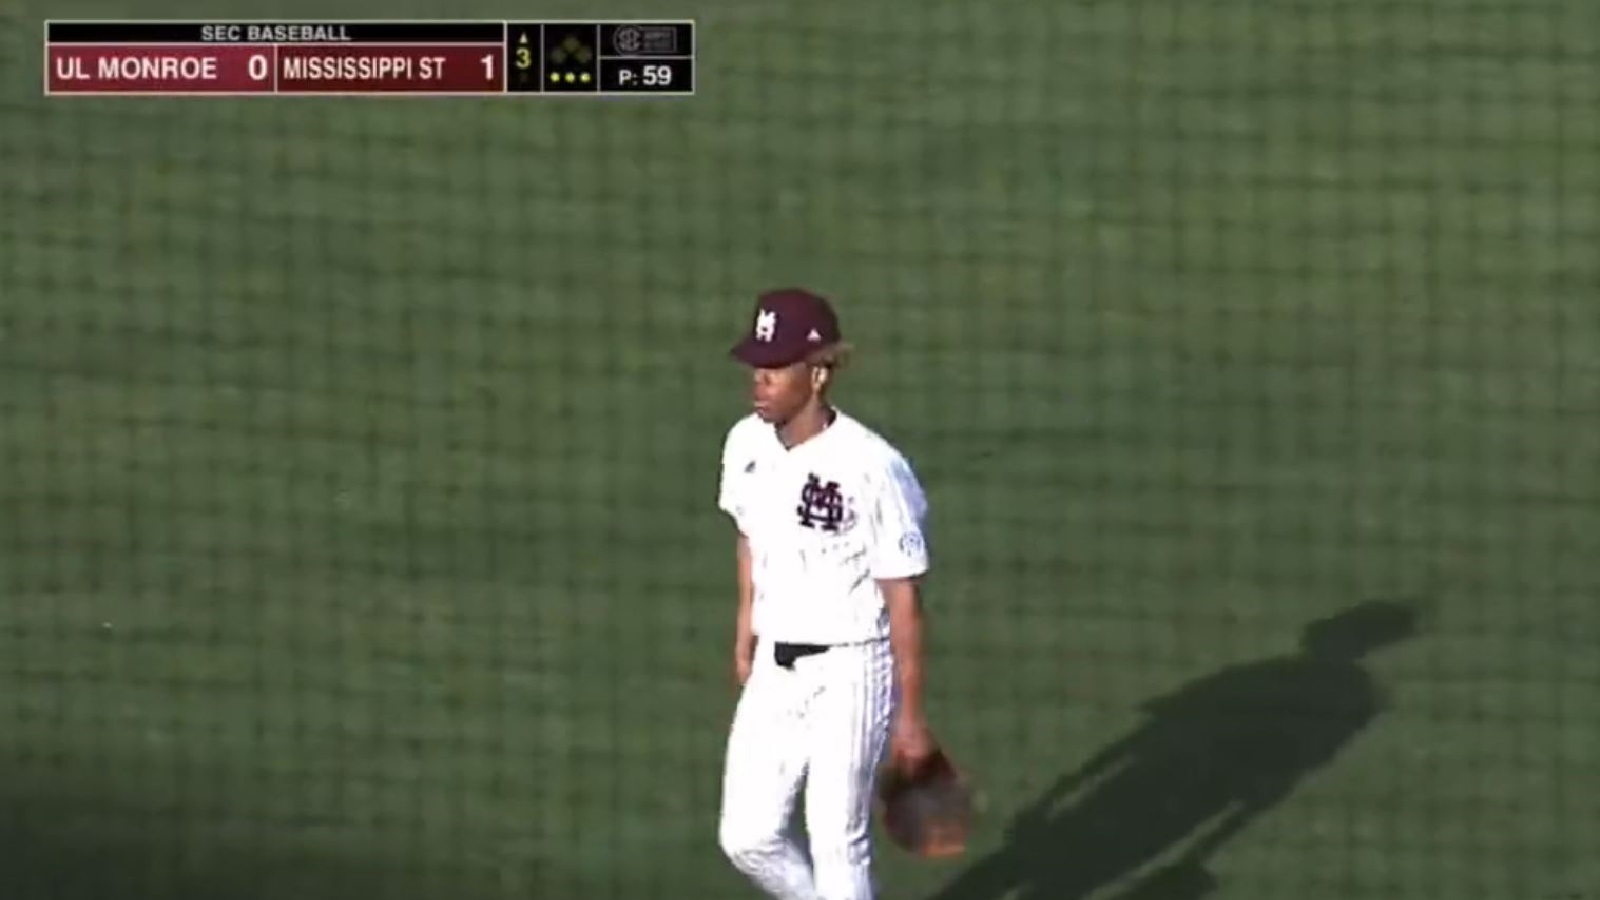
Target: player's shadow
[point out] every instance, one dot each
(1210, 758)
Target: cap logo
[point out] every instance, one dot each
(814, 336)
(766, 325)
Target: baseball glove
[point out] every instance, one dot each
(926, 809)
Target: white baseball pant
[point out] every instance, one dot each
(824, 723)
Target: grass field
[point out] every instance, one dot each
(357, 457)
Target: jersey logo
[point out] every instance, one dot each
(821, 504)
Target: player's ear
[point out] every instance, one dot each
(820, 376)
(824, 362)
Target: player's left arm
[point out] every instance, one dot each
(904, 600)
(899, 563)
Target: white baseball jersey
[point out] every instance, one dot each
(824, 521)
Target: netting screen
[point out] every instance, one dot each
(358, 457)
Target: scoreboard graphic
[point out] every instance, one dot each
(369, 58)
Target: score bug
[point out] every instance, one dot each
(368, 57)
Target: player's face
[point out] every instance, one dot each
(778, 394)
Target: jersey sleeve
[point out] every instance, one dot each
(730, 498)
(898, 514)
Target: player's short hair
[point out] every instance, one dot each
(834, 356)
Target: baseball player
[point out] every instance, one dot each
(827, 642)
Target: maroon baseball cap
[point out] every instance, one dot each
(787, 326)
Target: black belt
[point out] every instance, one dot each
(786, 653)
